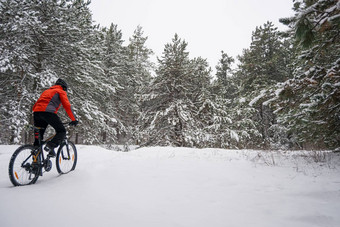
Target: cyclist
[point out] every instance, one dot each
(45, 113)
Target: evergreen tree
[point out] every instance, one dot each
(265, 62)
(232, 124)
(139, 72)
(40, 42)
(139, 54)
(114, 58)
(309, 103)
(170, 107)
(262, 66)
(224, 84)
(91, 90)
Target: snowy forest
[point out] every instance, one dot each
(284, 92)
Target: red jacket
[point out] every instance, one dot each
(51, 99)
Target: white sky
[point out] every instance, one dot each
(208, 26)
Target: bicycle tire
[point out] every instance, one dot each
(21, 171)
(66, 162)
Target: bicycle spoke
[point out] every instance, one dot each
(21, 170)
(66, 158)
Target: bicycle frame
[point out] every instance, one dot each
(68, 151)
(39, 151)
(29, 162)
(43, 160)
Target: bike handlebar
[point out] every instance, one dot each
(67, 123)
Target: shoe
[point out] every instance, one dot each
(50, 151)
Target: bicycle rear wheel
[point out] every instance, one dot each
(66, 160)
(22, 170)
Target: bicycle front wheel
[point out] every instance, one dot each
(66, 160)
(22, 168)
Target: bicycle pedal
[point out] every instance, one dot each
(48, 165)
(51, 155)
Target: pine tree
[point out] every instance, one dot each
(170, 107)
(263, 65)
(139, 72)
(139, 54)
(231, 124)
(114, 58)
(265, 62)
(309, 103)
(91, 90)
(224, 73)
(40, 42)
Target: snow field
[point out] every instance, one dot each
(169, 187)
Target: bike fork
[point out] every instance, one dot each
(67, 151)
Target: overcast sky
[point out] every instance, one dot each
(209, 26)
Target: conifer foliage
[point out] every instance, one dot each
(309, 103)
(170, 107)
(40, 41)
(284, 92)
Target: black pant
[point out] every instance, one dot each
(42, 120)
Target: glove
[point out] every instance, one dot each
(74, 123)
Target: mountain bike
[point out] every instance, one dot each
(28, 162)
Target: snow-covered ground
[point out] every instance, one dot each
(170, 187)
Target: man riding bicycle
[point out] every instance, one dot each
(45, 113)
